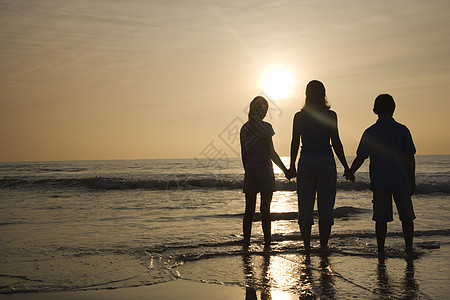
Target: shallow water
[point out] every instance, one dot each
(110, 224)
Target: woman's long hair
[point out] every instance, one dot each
(256, 113)
(316, 98)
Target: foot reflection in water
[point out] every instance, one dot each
(311, 288)
(252, 282)
(293, 276)
(276, 277)
(411, 287)
(383, 284)
(388, 288)
(306, 279)
(326, 278)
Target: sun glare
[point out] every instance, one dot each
(277, 82)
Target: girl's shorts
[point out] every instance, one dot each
(259, 180)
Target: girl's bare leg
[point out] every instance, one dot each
(250, 203)
(266, 199)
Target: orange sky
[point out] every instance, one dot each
(165, 79)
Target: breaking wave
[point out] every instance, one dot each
(228, 182)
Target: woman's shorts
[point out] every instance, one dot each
(316, 175)
(382, 206)
(259, 180)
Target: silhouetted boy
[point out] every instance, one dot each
(392, 170)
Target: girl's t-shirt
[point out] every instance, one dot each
(253, 142)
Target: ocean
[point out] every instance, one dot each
(81, 225)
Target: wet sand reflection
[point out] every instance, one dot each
(276, 277)
(293, 276)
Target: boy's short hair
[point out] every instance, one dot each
(384, 105)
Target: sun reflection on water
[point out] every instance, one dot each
(284, 201)
(289, 276)
(270, 276)
(284, 210)
(283, 276)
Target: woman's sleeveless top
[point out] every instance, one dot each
(315, 128)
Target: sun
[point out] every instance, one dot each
(277, 82)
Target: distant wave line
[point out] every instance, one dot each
(200, 182)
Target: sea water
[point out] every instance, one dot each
(76, 225)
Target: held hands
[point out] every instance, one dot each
(291, 173)
(349, 175)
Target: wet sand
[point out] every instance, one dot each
(176, 289)
(290, 275)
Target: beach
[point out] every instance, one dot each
(162, 229)
(176, 289)
(287, 276)
(127, 128)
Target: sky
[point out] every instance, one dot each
(147, 79)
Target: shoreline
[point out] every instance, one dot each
(288, 275)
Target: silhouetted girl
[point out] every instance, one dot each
(257, 155)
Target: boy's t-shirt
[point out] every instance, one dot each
(252, 141)
(388, 144)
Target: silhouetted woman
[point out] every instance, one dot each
(257, 154)
(316, 125)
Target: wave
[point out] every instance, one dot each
(286, 242)
(339, 212)
(10, 223)
(181, 182)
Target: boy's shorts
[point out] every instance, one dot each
(382, 206)
(259, 180)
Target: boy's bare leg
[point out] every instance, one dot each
(250, 203)
(266, 198)
(408, 235)
(380, 230)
